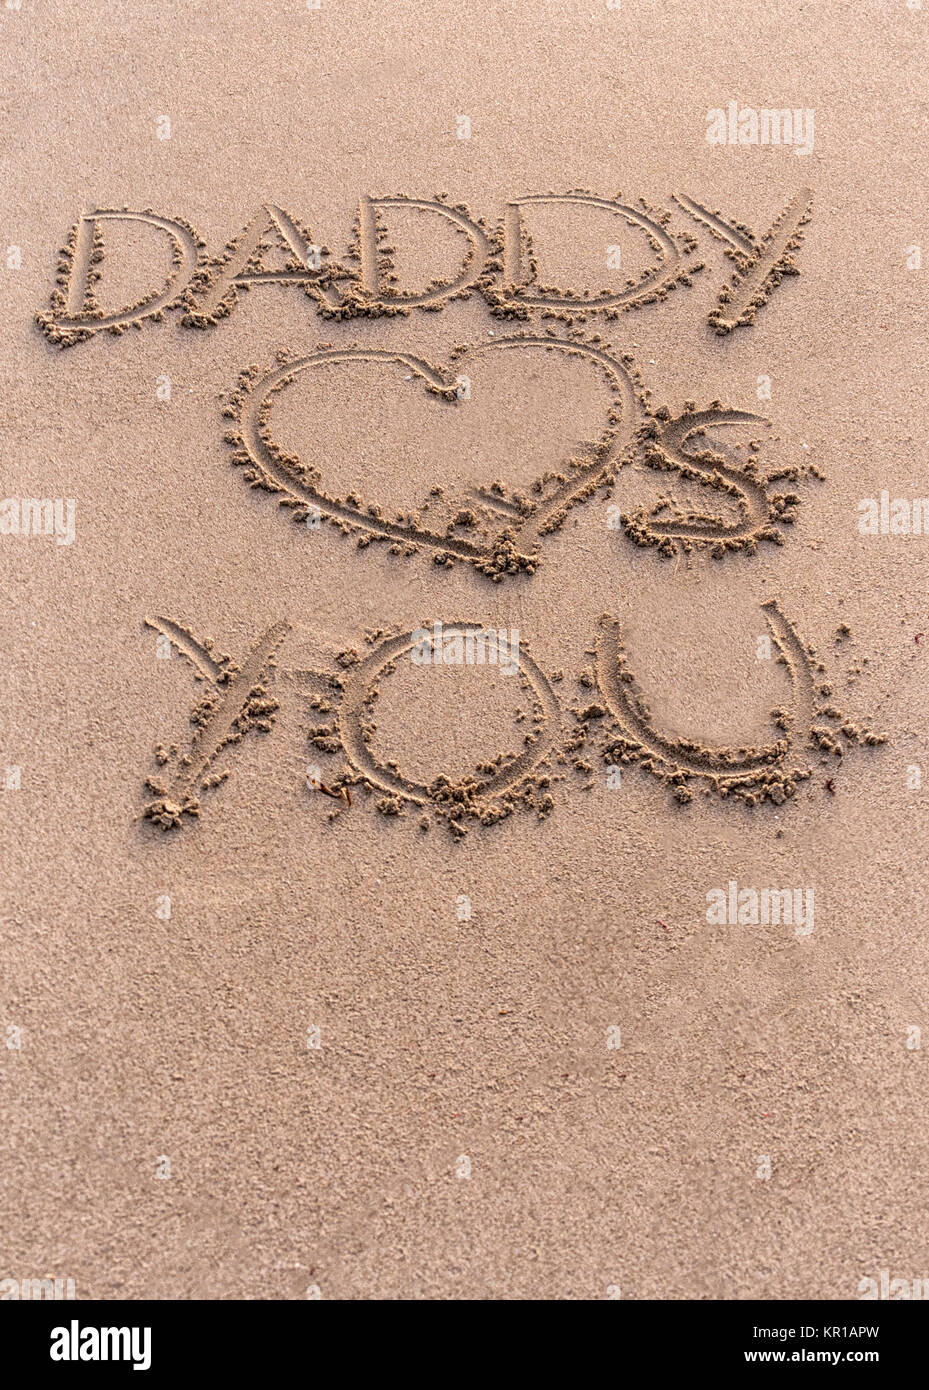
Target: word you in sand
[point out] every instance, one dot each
(500, 263)
(608, 721)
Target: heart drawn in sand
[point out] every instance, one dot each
(500, 529)
(496, 528)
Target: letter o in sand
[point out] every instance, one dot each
(363, 676)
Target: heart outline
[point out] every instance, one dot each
(269, 467)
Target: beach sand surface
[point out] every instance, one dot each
(294, 1044)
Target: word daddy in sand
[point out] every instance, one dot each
(501, 263)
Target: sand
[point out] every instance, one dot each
(344, 955)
